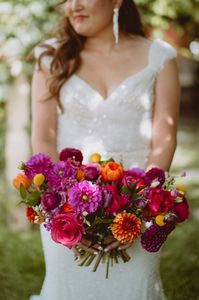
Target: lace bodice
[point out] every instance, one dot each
(120, 125)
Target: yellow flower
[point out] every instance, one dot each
(181, 188)
(160, 220)
(95, 157)
(38, 179)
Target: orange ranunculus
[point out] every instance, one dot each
(80, 175)
(111, 171)
(126, 227)
(67, 207)
(21, 178)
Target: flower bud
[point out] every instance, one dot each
(38, 179)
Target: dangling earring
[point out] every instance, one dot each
(116, 24)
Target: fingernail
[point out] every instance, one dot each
(95, 252)
(119, 248)
(106, 250)
(99, 248)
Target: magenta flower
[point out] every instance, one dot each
(72, 153)
(67, 229)
(62, 176)
(155, 174)
(133, 175)
(51, 200)
(92, 171)
(85, 196)
(39, 163)
(113, 201)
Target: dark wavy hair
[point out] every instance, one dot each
(70, 44)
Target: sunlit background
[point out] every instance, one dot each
(22, 25)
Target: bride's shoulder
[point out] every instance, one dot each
(44, 47)
(154, 45)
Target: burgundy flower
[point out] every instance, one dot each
(38, 163)
(154, 237)
(73, 153)
(155, 174)
(159, 200)
(92, 171)
(51, 200)
(182, 210)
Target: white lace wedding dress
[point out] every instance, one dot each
(119, 126)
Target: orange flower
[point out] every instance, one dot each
(33, 217)
(80, 175)
(111, 171)
(126, 227)
(21, 178)
(67, 207)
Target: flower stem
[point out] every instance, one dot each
(107, 266)
(99, 257)
(90, 259)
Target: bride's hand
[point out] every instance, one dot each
(86, 245)
(111, 243)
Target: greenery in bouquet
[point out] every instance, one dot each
(100, 202)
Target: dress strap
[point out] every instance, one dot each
(160, 52)
(38, 50)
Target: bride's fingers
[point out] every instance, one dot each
(124, 246)
(76, 251)
(109, 240)
(111, 246)
(88, 248)
(86, 242)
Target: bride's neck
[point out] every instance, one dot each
(103, 42)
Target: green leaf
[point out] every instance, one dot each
(139, 188)
(178, 200)
(124, 190)
(23, 192)
(34, 198)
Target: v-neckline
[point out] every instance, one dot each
(88, 85)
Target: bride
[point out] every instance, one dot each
(101, 86)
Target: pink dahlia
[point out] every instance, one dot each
(39, 163)
(62, 176)
(67, 229)
(85, 196)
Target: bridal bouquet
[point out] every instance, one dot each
(100, 200)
